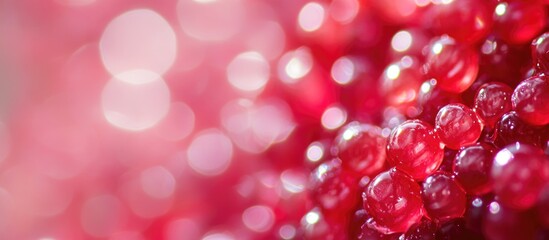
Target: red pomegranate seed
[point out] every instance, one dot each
(519, 22)
(465, 20)
(333, 189)
(519, 173)
(510, 128)
(472, 168)
(400, 82)
(361, 148)
(540, 53)
(393, 199)
(443, 196)
(452, 65)
(414, 148)
(530, 100)
(492, 101)
(457, 125)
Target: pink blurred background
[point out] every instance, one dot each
(166, 119)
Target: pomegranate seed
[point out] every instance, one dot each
(472, 167)
(393, 199)
(519, 173)
(443, 196)
(530, 100)
(414, 149)
(492, 101)
(401, 81)
(510, 128)
(540, 53)
(457, 125)
(333, 189)
(361, 148)
(452, 65)
(466, 20)
(519, 22)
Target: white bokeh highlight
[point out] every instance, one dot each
(333, 117)
(258, 218)
(401, 41)
(210, 21)
(311, 17)
(248, 71)
(343, 71)
(135, 100)
(138, 39)
(210, 153)
(294, 65)
(254, 127)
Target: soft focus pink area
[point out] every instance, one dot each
(155, 119)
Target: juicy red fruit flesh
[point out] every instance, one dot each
(414, 149)
(531, 100)
(361, 148)
(540, 53)
(457, 125)
(492, 101)
(333, 189)
(472, 166)
(393, 199)
(519, 173)
(452, 65)
(443, 196)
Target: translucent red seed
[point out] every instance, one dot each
(472, 166)
(466, 20)
(393, 199)
(492, 101)
(540, 52)
(519, 22)
(457, 125)
(413, 148)
(361, 148)
(333, 189)
(443, 196)
(510, 128)
(531, 100)
(519, 173)
(454, 66)
(400, 82)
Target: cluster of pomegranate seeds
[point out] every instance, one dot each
(464, 125)
(272, 119)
